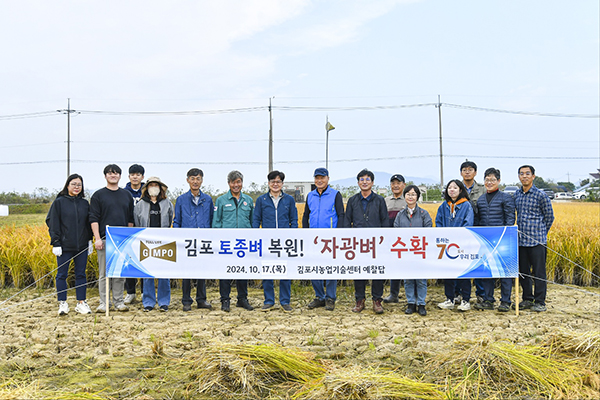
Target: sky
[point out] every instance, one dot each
(183, 84)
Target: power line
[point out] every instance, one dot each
(295, 161)
(532, 113)
(29, 115)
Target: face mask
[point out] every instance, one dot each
(154, 191)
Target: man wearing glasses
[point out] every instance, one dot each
(534, 219)
(194, 209)
(495, 208)
(367, 209)
(276, 209)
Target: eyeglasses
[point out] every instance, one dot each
(274, 182)
(364, 180)
(528, 173)
(74, 184)
(491, 180)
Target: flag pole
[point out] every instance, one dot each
(327, 142)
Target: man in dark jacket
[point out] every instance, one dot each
(367, 209)
(495, 208)
(276, 209)
(134, 186)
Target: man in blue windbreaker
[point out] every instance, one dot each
(324, 209)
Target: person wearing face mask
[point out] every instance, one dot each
(456, 211)
(71, 239)
(154, 210)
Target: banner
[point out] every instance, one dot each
(371, 253)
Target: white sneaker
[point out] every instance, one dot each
(447, 305)
(63, 308)
(83, 308)
(129, 298)
(121, 307)
(101, 308)
(464, 306)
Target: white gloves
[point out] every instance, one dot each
(90, 247)
(57, 251)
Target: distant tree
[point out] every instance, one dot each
(254, 190)
(584, 182)
(540, 183)
(570, 186)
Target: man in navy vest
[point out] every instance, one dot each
(324, 209)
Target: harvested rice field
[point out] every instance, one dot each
(304, 354)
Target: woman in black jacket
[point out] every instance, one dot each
(70, 236)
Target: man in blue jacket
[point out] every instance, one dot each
(194, 209)
(276, 209)
(367, 209)
(495, 208)
(324, 208)
(234, 210)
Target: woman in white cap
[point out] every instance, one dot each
(154, 210)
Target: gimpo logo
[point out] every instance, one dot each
(166, 252)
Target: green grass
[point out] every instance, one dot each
(23, 220)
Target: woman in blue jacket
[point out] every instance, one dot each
(456, 211)
(70, 235)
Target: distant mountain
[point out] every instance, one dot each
(383, 179)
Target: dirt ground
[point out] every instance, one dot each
(91, 352)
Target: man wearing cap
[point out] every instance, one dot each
(234, 210)
(395, 203)
(324, 208)
(194, 209)
(154, 210)
(366, 209)
(134, 186)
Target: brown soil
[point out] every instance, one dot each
(91, 352)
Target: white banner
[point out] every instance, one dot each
(375, 253)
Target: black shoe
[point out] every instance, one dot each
(422, 311)
(524, 305)
(225, 305)
(164, 308)
(204, 304)
(410, 308)
(286, 308)
(316, 303)
(330, 304)
(244, 303)
(486, 305)
(392, 298)
(187, 307)
(267, 307)
(148, 309)
(504, 307)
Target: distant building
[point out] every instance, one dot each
(298, 190)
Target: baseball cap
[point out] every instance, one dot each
(321, 172)
(397, 177)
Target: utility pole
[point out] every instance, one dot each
(439, 107)
(68, 111)
(270, 137)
